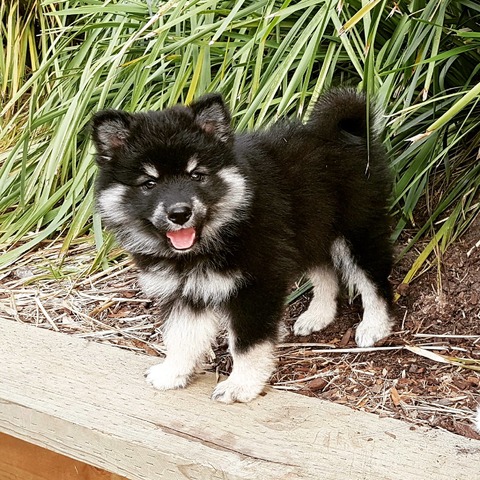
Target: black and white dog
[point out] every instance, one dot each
(220, 226)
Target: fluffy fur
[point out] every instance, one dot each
(221, 225)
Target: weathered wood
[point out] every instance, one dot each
(90, 402)
(20, 460)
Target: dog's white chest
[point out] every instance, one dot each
(159, 284)
(199, 285)
(211, 287)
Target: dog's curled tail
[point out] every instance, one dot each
(341, 115)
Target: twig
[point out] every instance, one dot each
(102, 333)
(307, 379)
(428, 335)
(45, 314)
(374, 349)
(114, 299)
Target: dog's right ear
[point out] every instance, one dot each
(110, 132)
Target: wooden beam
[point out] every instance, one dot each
(20, 460)
(90, 402)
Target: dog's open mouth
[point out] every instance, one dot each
(182, 239)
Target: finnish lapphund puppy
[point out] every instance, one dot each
(220, 225)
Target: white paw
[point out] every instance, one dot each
(370, 332)
(229, 391)
(164, 377)
(311, 321)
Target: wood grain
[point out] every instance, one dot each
(20, 460)
(90, 402)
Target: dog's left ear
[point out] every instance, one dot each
(212, 116)
(110, 132)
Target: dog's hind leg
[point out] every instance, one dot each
(366, 269)
(323, 307)
(188, 335)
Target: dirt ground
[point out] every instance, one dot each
(439, 312)
(406, 377)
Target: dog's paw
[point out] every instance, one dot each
(370, 332)
(164, 377)
(229, 391)
(309, 322)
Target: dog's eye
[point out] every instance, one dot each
(149, 184)
(197, 176)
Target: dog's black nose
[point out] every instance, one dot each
(179, 213)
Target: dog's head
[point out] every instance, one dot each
(168, 183)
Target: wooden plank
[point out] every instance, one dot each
(20, 460)
(90, 402)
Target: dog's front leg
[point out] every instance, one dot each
(188, 335)
(251, 371)
(253, 332)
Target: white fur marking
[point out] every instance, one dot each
(376, 323)
(323, 307)
(211, 286)
(251, 371)
(151, 170)
(135, 241)
(112, 204)
(110, 201)
(476, 421)
(159, 283)
(192, 164)
(188, 336)
(233, 203)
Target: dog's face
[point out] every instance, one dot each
(167, 183)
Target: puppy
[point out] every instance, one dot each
(220, 225)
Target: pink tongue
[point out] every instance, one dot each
(182, 239)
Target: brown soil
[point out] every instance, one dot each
(441, 310)
(439, 313)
